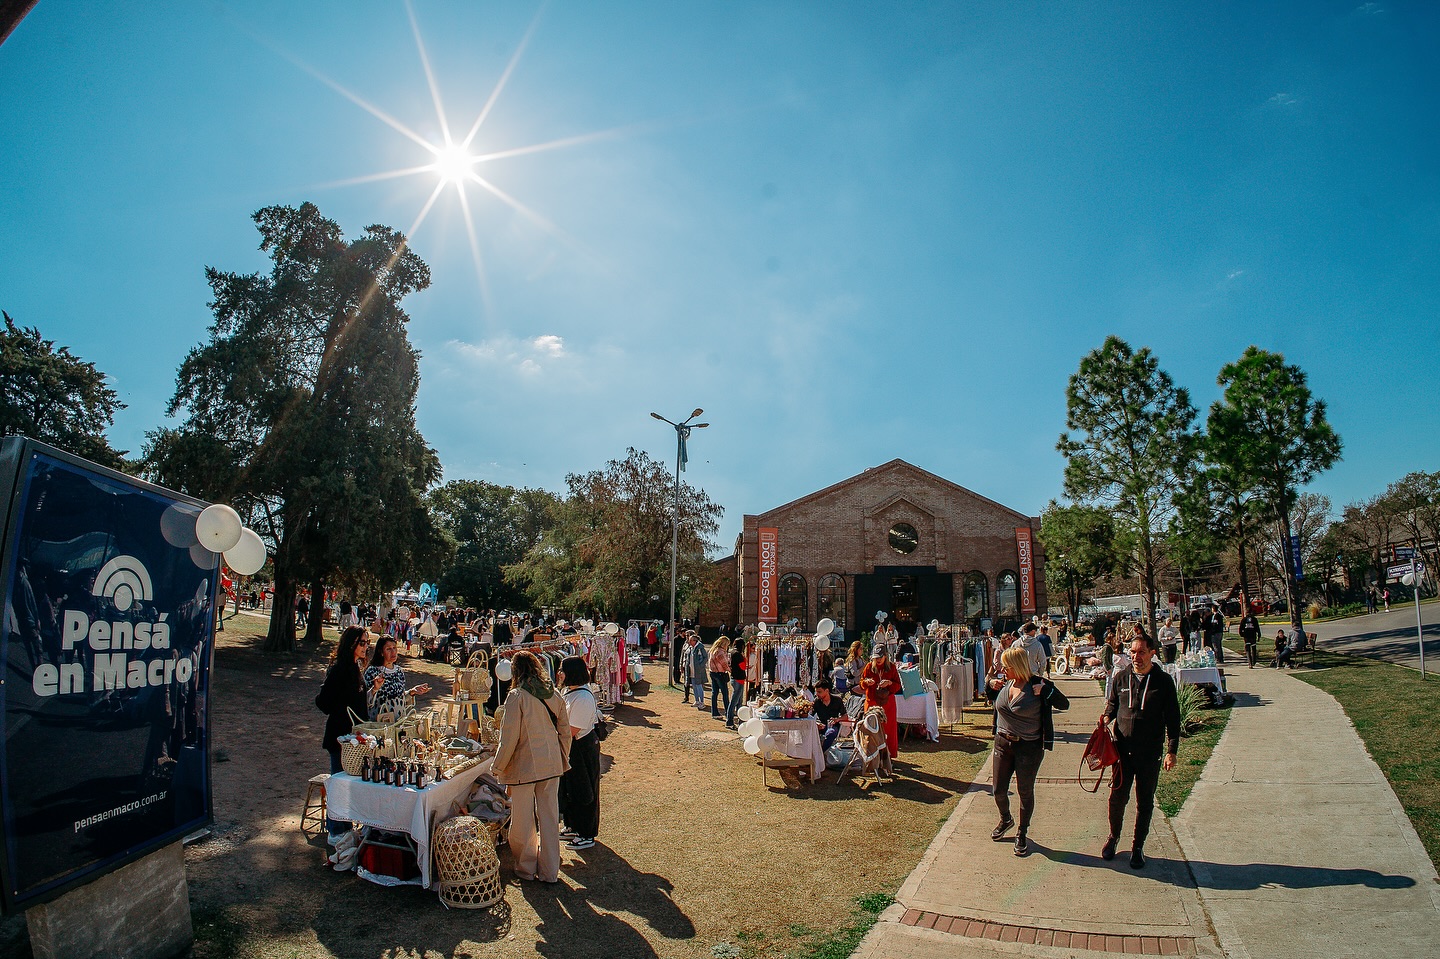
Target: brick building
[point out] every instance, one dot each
(894, 538)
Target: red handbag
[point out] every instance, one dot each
(1100, 754)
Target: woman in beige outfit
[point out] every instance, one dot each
(533, 754)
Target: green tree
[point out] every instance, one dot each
(1310, 522)
(1414, 502)
(1216, 508)
(1129, 441)
(609, 547)
(1080, 546)
(1275, 437)
(300, 410)
(494, 527)
(51, 395)
(1363, 537)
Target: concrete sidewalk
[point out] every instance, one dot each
(1317, 841)
(1297, 842)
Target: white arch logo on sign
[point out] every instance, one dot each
(124, 581)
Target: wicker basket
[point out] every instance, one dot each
(351, 756)
(466, 867)
(490, 728)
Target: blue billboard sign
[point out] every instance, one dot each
(108, 604)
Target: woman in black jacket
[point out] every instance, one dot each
(343, 691)
(1023, 731)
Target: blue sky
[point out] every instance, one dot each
(850, 232)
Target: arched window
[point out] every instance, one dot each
(1007, 595)
(831, 602)
(977, 597)
(792, 599)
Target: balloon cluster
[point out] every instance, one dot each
(218, 529)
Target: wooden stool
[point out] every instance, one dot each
(314, 812)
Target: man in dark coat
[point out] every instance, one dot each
(1143, 704)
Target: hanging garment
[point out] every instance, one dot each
(957, 689)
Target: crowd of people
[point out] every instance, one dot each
(549, 752)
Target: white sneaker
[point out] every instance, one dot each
(580, 844)
(346, 860)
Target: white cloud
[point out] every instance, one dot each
(549, 344)
(1283, 100)
(1234, 274)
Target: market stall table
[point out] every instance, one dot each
(400, 808)
(1200, 676)
(799, 739)
(919, 711)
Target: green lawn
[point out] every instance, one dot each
(1398, 717)
(1195, 750)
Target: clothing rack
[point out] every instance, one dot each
(773, 641)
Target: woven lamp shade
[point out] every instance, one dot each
(466, 865)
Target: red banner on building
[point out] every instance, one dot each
(1027, 570)
(769, 568)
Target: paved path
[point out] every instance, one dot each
(1298, 852)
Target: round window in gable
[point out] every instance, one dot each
(903, 538)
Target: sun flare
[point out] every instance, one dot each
(453, 163)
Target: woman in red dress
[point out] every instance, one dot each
(881, 681)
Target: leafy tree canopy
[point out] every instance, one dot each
(1272, 437)
(609, 547)
(1080, 546)
(49, 394)
(299, 410)
(1129, 440)
(493, 526)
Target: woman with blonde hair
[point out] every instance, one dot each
(1023, 731)
(855, 662)
(532, 755)
(719, 667)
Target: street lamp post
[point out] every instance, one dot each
(682, 433)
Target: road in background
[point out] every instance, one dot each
(1385, 636)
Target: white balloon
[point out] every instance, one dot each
(825, 627)
(177, 525)
(218, 528)
(1408, 579)
(203, 558)
(247, 556)
(744, 713)
(822, 643)
(752, 746)
(503, 670)
(752, 727)
(765, 741)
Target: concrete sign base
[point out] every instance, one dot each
(106, 918)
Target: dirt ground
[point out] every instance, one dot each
(693, 850)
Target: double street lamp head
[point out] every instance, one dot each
(686, 422)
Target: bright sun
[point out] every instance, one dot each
(453, 163)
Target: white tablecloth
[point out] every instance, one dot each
(799, 739)
(919, 710)
(1208, 675)
(399, 808)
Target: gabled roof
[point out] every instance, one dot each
(895, 464)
